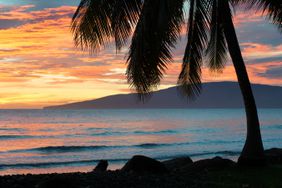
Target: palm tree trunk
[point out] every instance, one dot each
(253, 152)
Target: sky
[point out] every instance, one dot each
(39, 65)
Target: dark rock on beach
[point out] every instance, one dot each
(101, 166)
(177, 163)
(205, 164)
(143, 164)
(273, 156)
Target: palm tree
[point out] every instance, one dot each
(155, 28)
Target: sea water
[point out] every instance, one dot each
(45, 141)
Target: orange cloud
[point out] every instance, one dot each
(256, 50)
(39, 65)
(247, 16)
(22, 13)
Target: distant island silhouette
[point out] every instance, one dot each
(214, 95)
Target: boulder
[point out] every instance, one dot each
(177, 163)
(143, 164)
(252, 161)
(205, 164)
(273, 156)
(101, 166)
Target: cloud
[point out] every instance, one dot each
(56, 78)
(112, 80)
(7, 50)
(116, 71)
(39, 63)
(261, 32)
(5, 24)
(10, 60)
(14, 16)
(275, 72)
(243, 17)
(40, 4)
(261, 51)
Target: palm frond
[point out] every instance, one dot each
(217, 48)
(96, 22)
(190, 76)
(156, 34)
(270, 8)
(123, 20)
(91, 24)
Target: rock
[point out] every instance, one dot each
(214, 163)
(143, 164)
(101, 166)
(252, 161)
(273, 156)
(177, 163)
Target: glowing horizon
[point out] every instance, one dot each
(39, 65)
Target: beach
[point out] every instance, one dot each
(180, 172)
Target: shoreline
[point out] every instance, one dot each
(142, 171)
(87, 168)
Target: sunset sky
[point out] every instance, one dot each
(39, 65)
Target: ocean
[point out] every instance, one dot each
(46, 141)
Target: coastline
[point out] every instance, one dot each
(181, 172)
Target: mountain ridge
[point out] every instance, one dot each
(213, 95)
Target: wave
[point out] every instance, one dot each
(9, 137)
(154, 145)
(16, 137)
(55, 164)
(65, 149)
(272, 140)
(206, 142)
(113, 133)
(277, 126)
(69, 149)
(150, 145)
(229, 153)
(62, 149)
(156, 132)
(109, 133)
(12, 129)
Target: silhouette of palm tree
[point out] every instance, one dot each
(156, 26)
